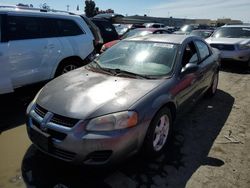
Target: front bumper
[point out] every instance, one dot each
(237, 55)
(79, 146)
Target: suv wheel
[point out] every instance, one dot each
(66, 66)
(159, 133)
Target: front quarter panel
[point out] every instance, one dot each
(150, 104)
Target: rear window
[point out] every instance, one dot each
(68, 28)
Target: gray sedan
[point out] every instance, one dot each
(123, 102)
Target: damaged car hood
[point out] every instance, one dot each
(84, 94)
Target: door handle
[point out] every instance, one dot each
(50, 46)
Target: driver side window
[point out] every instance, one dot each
(190, 54)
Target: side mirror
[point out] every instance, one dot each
(189, 68)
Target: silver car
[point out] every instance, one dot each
(233, 41)
(125, 101)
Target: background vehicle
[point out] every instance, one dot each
(233, 41)
(187, 29)
(134, 33)
(127, 100)
(202, 33)
(37, 45)
(154, 25)
(107, 30)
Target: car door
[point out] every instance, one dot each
(31, 55)
(186, 90)
(5, 79)
(205, 63)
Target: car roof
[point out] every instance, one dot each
(149, 29)
(236, 26)
(168, 38)
(35, 11)
(205, 30)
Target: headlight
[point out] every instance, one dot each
(120, 120)
(33, 102)
(244, 46)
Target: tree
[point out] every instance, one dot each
(45, 6)
(22, 5)
(90, 9)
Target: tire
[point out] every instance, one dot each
(66, 66)
(213, 88)
(155, 143)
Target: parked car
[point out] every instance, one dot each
(233, 41)
(187, 29)
(38, 45)
(203, 33)
(154, 25)
(134, 33)
(121, 29)
(107, 30)
(123, 102)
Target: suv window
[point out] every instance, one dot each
(203, 49)
(23, 27)
(20, 27)
(68, 28)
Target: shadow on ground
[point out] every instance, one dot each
(13, 106)
(195, 134)
(235, 67)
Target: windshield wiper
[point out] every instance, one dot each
(94, 66)
(119, 72)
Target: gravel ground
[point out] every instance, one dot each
(211, 147)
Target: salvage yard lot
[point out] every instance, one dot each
(211, 147)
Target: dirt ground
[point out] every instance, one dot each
(211, 147)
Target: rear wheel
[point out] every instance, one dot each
(67, 65)
(213, 88)
(159, 133)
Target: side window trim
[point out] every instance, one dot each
(198, 51)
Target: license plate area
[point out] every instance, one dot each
(41, 139)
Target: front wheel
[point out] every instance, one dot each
(159, 133)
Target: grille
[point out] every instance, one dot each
(227, 47)
(40, 111)
(65, 121)
(67, 155)
(54, 134)
(57, 135)
(58, 119)
(99, 156)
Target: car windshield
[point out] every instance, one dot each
(139, 57)
(186, 28)
(135, 33)
(232, 32)
(203, 34)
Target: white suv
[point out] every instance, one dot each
(38, 45)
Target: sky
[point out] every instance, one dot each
(203, 9)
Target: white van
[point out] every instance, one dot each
(38, 45)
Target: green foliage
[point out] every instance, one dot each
(90, 9)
